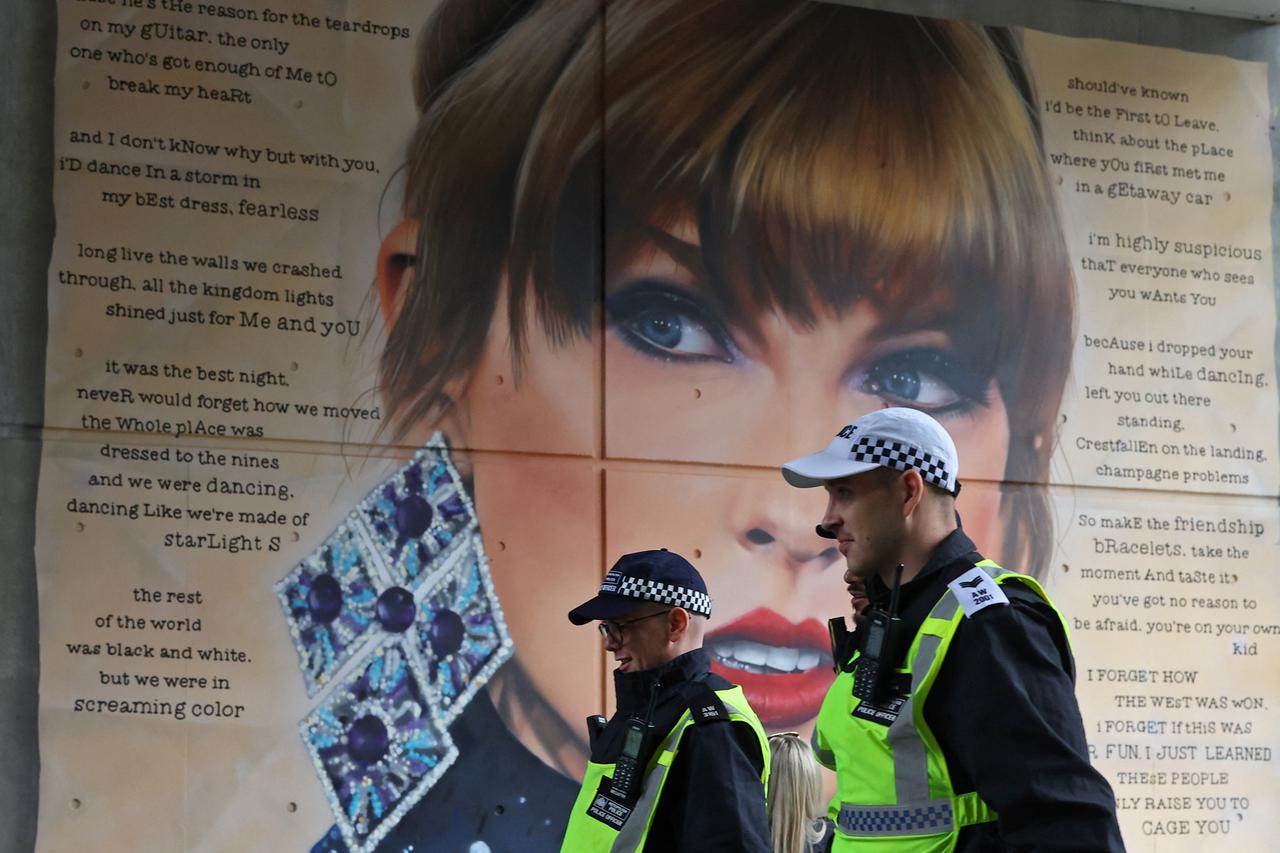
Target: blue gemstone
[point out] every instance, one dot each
(446, 632)
(325, 599)
(413, 517)
(367, 740)
(396, 609)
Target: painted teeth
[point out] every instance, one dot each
(752, 653)
(783, 658)
(755, 657)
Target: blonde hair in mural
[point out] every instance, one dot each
(554, 138)
(795, 793)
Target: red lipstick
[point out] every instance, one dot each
(781, 699)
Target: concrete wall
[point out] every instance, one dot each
(26, 234)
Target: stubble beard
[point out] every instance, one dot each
(876, 561)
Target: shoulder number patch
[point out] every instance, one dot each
(975, 590)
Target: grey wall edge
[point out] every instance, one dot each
(26, 235)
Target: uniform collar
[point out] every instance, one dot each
(950, 549)
(955, 546)
(633, 688)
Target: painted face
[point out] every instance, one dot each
(681, 447)
(682, 383)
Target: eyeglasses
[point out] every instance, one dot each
(612, 631)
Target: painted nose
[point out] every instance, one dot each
(795, 540)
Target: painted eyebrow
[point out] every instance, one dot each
(888, 329)
(687, 256)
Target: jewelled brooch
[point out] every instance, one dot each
(397, 626)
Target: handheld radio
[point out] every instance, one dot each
(876, 679)
(628, 771)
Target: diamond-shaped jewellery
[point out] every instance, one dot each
(397, 626)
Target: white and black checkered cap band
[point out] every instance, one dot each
(665, 593)
(896, 454)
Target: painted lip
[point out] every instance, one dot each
(779, 699)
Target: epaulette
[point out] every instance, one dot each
(704, 704)
(976, 590)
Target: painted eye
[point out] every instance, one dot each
(911, 385)
(658, 321)
(928, 379)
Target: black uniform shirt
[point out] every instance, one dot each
(1005, 714)
(713, 799)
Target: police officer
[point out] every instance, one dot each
(953, 724)
(683, 763)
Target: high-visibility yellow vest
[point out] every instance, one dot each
(893, 788)
(587, 834)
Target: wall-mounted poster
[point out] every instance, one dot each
(377, 332)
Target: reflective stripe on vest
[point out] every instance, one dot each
(825, 757)
(585, 834)
(926, 814)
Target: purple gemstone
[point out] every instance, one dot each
(446, 632)
(325, 599)
(396, 609)
(413, 478)
(367, 740)
(413, 517)
(453, 507)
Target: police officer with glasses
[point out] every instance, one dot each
(683, 762)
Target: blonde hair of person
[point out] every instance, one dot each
(795, 794)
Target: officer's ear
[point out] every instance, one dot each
(912, 487)
(677, 624)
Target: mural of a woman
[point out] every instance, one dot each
(801, 210)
